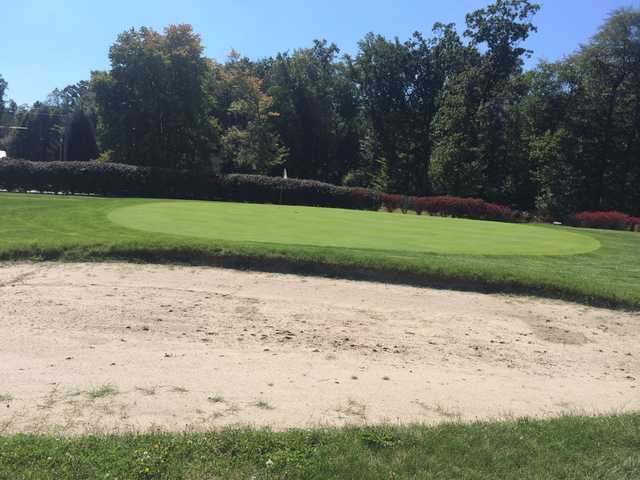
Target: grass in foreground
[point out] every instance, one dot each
(381, 246)
(564, 448)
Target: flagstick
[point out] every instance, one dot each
(284, 175)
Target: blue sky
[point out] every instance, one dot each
(52, 43)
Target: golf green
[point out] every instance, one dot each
(326, 227)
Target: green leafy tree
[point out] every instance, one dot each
(80, 137)
(593, 98)
(556, 177)
(471, 153)
(384, 74)
(41, 138)
(250, 141)
(319, 121)
(456, 164)
(154, 103)
(609, 81)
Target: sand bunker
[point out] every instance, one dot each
(93, 347)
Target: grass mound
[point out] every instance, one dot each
(590, 266)
(329, 227)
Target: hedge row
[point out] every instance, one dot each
(464, 208)
(127, 180)
(102, 179)
(263, 189)
(610, 220)
(447, 206)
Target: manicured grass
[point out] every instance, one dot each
(331, 227)
(392, 247)
(565, 448)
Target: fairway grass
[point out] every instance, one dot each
(590, 266)
(569, 448)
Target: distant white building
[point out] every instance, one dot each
(3, 154)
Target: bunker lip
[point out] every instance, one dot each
(285, 264)
(86, 347)
(339, 228)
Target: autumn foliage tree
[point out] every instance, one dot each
(250, 142)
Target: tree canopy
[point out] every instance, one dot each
(453, 112)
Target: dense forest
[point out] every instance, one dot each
(453, 112)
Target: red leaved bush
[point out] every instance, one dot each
(611, 220)
(476, 208)
(391, 202)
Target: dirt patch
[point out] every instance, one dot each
(95, 347)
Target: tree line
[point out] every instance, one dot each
(450, 113)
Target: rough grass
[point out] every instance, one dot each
(46, 227)
(565, 448)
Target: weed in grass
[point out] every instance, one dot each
(264, 405)
(179, 390)
(379, 437)
(102, 392)
(5, 397)
(216, 399)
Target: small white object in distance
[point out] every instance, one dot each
(3, 154)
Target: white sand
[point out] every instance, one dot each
(187, 347)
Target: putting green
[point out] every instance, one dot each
(328, 227)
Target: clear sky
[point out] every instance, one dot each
(46, 44)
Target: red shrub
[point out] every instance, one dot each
(612, 220)
(391, 202)
(418, 204)
(447, 206)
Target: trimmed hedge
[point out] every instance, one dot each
(263, 189)
(463, 208)
(115, 179)
(610, 220)
(102, 179)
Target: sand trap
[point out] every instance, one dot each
(95, 347)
